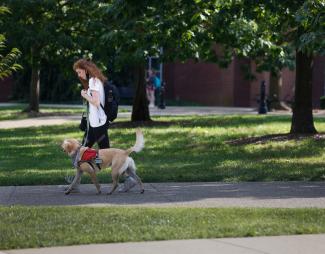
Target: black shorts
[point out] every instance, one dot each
(97, 135)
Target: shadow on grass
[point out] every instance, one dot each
(34, 156)
(275, 138)
(232, 121)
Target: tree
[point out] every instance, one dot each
(139, 29)
(7, 61)
(127, 30)
(51, 31)
(309, 41)
(269, 32)
(275, 28)
(298, 25)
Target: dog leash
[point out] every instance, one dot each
(69, 178)
(87, 113)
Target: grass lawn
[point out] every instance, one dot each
(27, 227)
(15, 112)
(187, 148)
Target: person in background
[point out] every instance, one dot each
(157, 86)
(150, 88)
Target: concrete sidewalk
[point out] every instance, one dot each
(304, 244)
(169, 111)
(204, 194)
(177, 111)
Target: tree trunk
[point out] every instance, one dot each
(34, 91)
(140, 110)
(302, 117)
(274, 92)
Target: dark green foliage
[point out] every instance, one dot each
(8, 58)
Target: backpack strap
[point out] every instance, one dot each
(101, 105)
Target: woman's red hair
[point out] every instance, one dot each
(91, 69)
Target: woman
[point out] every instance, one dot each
(93, 82)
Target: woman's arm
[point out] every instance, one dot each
(94, 99)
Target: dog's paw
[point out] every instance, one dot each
(67, 192)
(99, 192)
(142, 191)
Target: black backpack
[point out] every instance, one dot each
(112, 99)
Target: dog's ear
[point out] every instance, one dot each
(66, 146)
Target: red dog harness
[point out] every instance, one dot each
(90, 156)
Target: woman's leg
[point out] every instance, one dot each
(90, 138)
(101, 136)
(152, 98)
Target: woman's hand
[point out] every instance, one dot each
(93, 99)
(84, 93)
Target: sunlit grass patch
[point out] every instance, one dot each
(182, 148)
(31, 227)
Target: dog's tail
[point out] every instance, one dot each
(139, 143)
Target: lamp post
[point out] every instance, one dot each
(162, 104)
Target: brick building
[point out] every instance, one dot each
(6, 89)
(208, 84)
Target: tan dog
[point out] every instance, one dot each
(118, 159)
